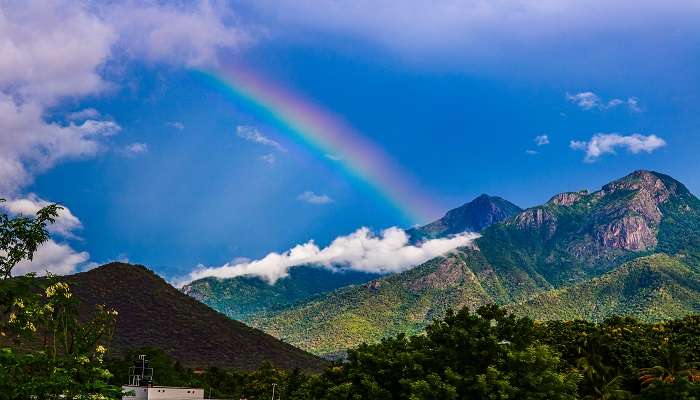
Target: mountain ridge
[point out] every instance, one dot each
(244, 298)
(572, 238)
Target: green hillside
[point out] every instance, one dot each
(573, 238)
(401, 303)
(652, 288)
(243, 297)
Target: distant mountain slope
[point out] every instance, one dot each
(243, 297)
(474, 216)
(651, 288)
(401, 303)
(572, 238)
(154, 314)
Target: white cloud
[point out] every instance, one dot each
(66, 224)
(530, 152)
(56, 258)
(253, 134)
(591, 101)
(541, 140)
(268, 158)
(607, 143)
(53, 50)
(30, 145)
(388, 252)
(136, 148)
(313, 198)
(177, 125)
(190, 33)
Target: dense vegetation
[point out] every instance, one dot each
(653, 288)
(244, 297)
(484, 355)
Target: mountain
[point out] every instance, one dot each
(246, 298)
(154, 314)
(650, 288)
(565, 243)
(400, 303)
(474, 216)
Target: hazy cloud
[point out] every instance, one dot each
(388, 252)
(607, 143)
(87, 113)
(176, 125)
(541, 140)
(135, 149)
(268, 158)
(591, 101)
(313, 198)
(472, 29)
(253, 134)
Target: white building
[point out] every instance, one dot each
(161, 393)
(141, 386)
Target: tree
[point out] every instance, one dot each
(49, 352)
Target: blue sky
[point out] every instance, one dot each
(156, 170)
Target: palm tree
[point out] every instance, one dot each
(672, 367)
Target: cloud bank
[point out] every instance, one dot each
(607, 143)
(471, 28)
(57, 50)
(388, 252)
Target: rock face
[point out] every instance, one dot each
(474, 216)
(635, 218)
(567, 198)
(624, 216)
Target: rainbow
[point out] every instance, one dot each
(327, 135)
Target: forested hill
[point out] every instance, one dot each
(154, 314)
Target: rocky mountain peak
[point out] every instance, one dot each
(657, 186)
(624, 215)
(567, 198)
(474, 216)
